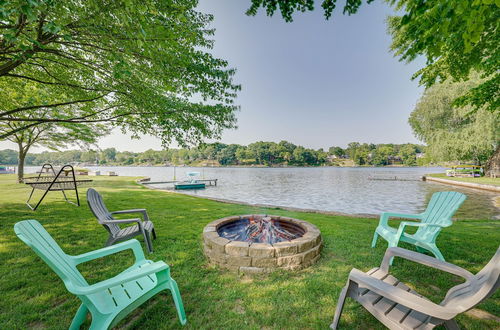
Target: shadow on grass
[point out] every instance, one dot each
(33, 295)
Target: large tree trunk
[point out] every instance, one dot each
(20, 163)
(492, 167)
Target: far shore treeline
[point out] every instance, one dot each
(219, 154)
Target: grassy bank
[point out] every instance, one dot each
(481, 180)
(34, 297)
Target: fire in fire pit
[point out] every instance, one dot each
(260, 230)
(257, 243)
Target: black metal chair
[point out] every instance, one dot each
(117, 234)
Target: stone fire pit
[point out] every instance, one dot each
(260, 243)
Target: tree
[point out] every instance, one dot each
(299, 155)
(408, 154)
(109, 154)
(140, 65)
(456, 38)
(49, 135)
(381, 154)
(352, 147)
(454, 134)
(336, 151)
(227, 156)
(90, 156)
(261, 152)
(125, 158)
(8, 157)
(244, 156)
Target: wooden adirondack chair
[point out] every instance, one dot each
(111, 300)
(437, 216)
(117, 234)
(398, 307)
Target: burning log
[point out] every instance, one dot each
(260, 230)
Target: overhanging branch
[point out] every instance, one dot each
(10, 112)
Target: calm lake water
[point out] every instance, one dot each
(346, 190)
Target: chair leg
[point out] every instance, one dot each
(79, 318)
(147, 239)
(451, 325)
(154, 233)
(100, 323)
(392, 244)
(109, 241)
(174, 289)
(375, 238)
(437, 253)
(340, 307)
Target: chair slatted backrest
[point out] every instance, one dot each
(35, 236)
(483, 285)
(100, 211)
(441, 208)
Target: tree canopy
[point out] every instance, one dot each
(456, 38)
(454, 134)
(139, 65)
(50, 135)
(288, 7)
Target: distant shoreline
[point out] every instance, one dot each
(247, 166)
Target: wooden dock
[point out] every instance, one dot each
(210, 182)
(391, 178)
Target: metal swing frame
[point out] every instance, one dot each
(54, 182)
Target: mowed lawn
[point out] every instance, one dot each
(480, 180)
(32, 296)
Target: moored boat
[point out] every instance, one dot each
(7, 170)
(191, 182)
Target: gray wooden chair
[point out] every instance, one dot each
(117, 234)
(399, 307)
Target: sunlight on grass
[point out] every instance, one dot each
(35, 297)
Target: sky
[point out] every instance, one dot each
(312, 82)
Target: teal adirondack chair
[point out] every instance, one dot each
(437, 216)
(111, 300)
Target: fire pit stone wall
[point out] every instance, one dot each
(251, 258)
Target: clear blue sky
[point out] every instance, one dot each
(313, 82)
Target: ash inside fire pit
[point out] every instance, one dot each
(260, 230)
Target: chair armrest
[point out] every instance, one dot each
(423, 260)
(404, 224)
(143, 211)
(384, 217)
(401, 296)
(120, 279)
(132, 244)
(138, 220)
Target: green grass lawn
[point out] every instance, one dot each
(34, 297)
(480, 180)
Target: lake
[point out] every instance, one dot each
(335, 189)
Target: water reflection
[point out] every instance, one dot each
(347, 190)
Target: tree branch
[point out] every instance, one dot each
(5, 113)
(59, 84)
(6, 135)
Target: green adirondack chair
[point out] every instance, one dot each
(111, 300)
(437, 216)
